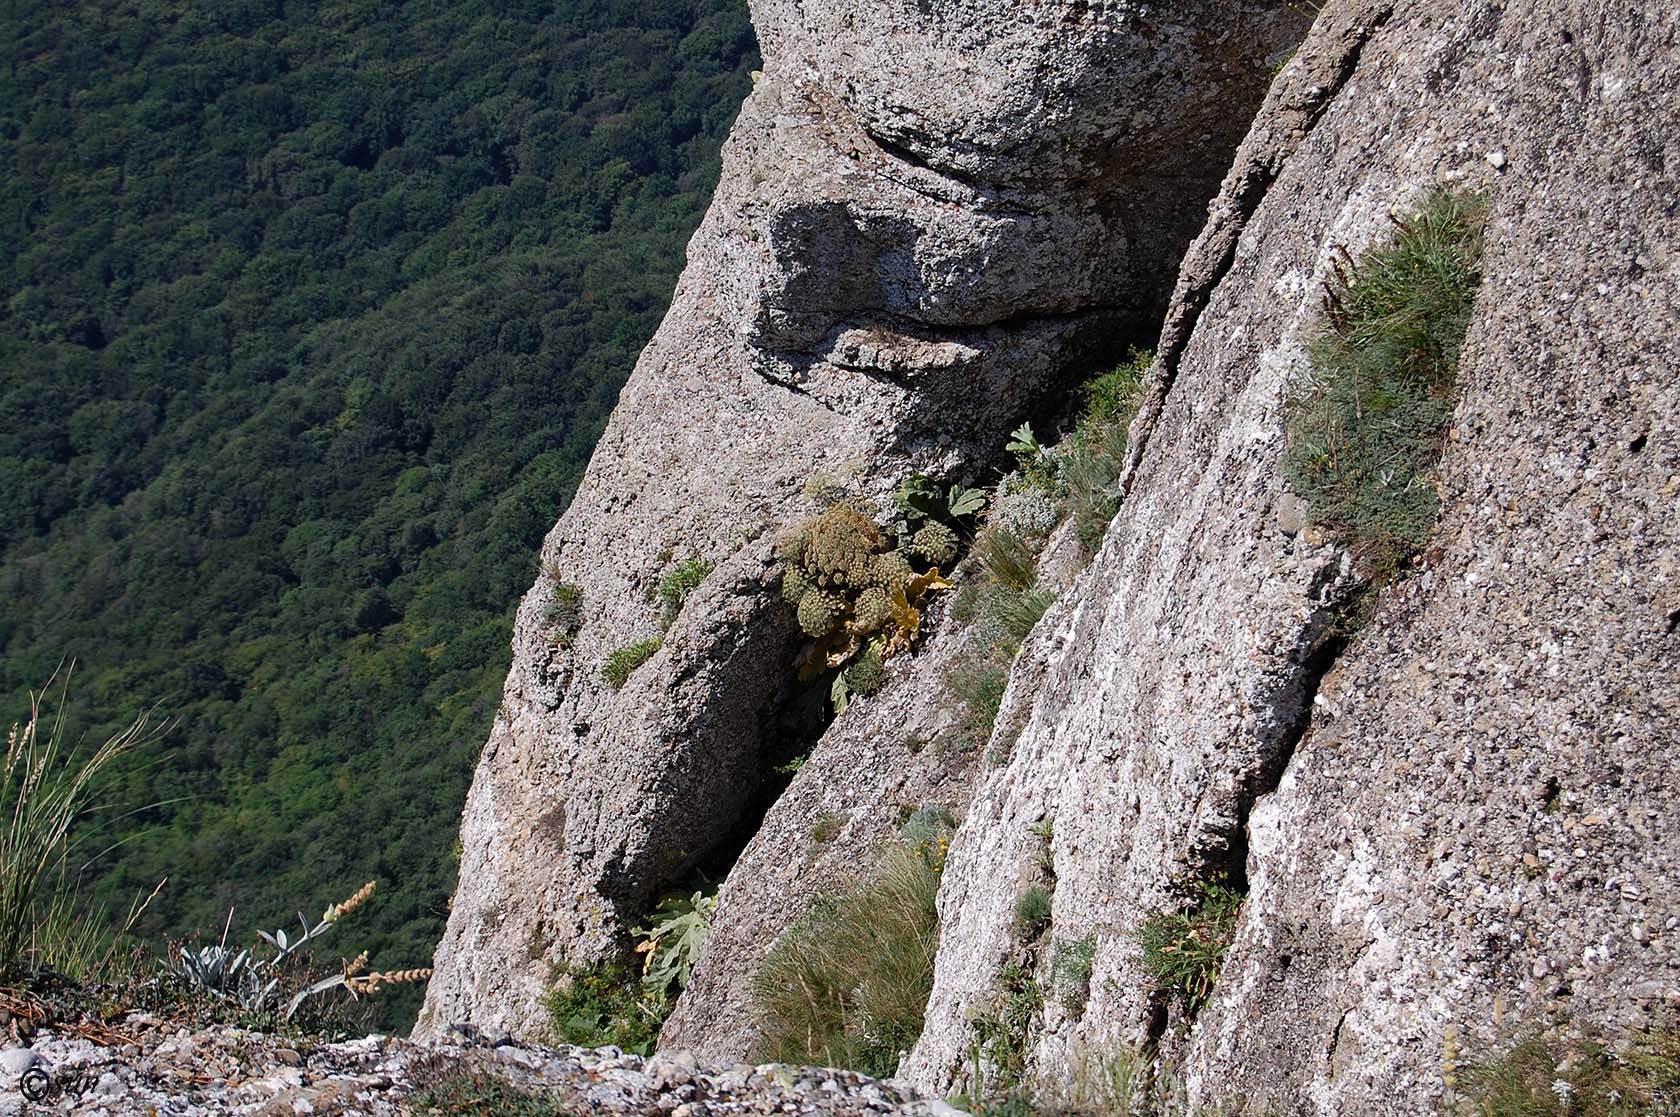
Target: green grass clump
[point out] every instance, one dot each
(847, 986)
(677, 583)
(1183, 950)
(1366, 427)
(565, 613)
(1032, 913)
(1006, 559)
(1112, 398)
(599, 1005)
(1543, 1078)
(1070, 971)
(623, 663)
(1002, 1034)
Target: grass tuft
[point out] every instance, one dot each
(565, 613)
(46, 787)
(1366, 426)
(677, 583)
(1032, 913)
(1183, 950)
(623, 663)
(847, 986)
(1542, 1078)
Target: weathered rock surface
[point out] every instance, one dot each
(1463, 823)
(860, 300)
(151, 1068)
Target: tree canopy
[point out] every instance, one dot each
(310, 315)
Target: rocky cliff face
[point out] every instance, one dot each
(1451, 824)
(931, 218)
(1460, 824)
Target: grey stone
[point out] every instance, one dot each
(1184, 726)
(15, 1060)
(930, 218)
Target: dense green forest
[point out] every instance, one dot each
(311, 312)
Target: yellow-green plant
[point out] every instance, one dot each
(45, 788)
(852, 591)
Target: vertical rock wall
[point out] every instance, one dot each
(1464, 822)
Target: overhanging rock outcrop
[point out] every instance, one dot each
(1464, 822)
(930, 215)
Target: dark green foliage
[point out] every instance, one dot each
(1183, 950)
(847, 985)
(1032, 913)
(620, 665)
(1546, 1078)
(455, 1091)
(603, 1005)
(310, 316)
(565, 613)
(1112, 399)
(1366, 427)
(678, 582)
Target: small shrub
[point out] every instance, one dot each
(623, 663)
(600, 1005)
(1032, 913)
(826, 828)
(1541, 1078)
(677, 583)
(1183, 950)
(1070, 971)
(848, 984)
(565, 614)
(1365, 427)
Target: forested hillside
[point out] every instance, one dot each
(311, 315)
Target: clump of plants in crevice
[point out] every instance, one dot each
(1366, 425)
(614, 1002)
(1000, 1053)
(1183, 949)
(858, 589)
(1077, 480)
(847, 986)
